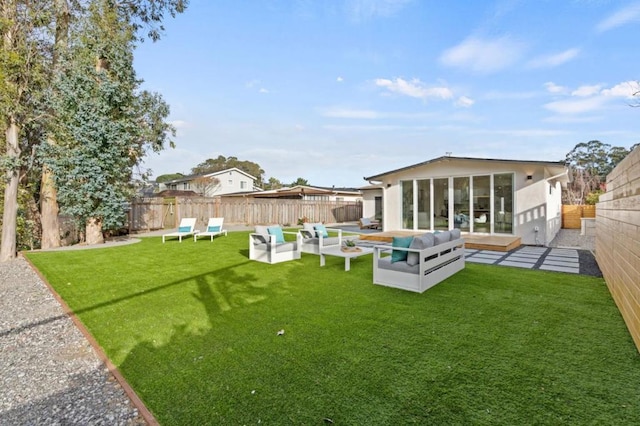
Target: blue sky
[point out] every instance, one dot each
(334, 90)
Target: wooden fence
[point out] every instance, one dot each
(618, 239)
(160, 213)
(571, 215)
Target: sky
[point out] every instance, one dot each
(336, 90)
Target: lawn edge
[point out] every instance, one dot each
(146, 414)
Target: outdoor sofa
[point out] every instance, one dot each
(418, 263)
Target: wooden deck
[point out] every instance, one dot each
(492, 242)
(479, 242)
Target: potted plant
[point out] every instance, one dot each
(350, 245)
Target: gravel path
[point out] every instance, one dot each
(50, 374)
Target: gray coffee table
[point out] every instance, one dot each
(348, 255)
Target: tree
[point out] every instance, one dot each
(204, 184)
(168, 177)
(590, 163)
(105, 123)
(222, 163)
(21, 77)
(273, 183)
(300, 182)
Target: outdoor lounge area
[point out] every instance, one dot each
(216, 338)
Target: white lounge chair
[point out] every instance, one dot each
(187, 227)
(214, 228)
(366, 223)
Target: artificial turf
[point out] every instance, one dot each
(194, 328)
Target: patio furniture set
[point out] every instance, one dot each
(414, 263)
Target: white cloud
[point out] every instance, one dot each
(554, 60)
(465, 102)
(587, 90)
(627, 89)
(576, 106)
(554, 88)
(623, 16)
(263, 90)
(483, 55)
(339, 79)
(414, 88)
(251, 83)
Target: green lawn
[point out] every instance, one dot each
(194, 329)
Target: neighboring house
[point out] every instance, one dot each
(478, 196)
(310, 193)
(224, 182)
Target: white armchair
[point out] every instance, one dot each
(267, 244)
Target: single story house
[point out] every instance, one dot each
(223, 182)
(308, 193)
(476, 195)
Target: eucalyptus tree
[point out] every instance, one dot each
(105, 123)
(22, 76)
(141, 15)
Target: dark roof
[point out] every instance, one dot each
(447, 158)
(177, 193)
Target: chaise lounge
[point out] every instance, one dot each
(366, 223)
(187, 227)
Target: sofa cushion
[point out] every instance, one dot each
(262, 230)
(282, 247)
(455, 234)
(442, 237)
(310, 228)
(276, 231)
(400, 255)
(413, 258)
(385, 263)
(213, 228)
(321, 230)
(428, 239)
(184, 229)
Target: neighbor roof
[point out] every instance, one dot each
(448, 158)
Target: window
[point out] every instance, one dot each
(243, 184)
(185, 186)
(407, 204)
(230, 182)
(424, 204)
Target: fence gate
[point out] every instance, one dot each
(571, 215)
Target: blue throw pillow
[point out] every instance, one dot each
(277, 232)
(321, 230)
(213, 229)
(184, 229)
(400, 255)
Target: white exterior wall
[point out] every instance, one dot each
(230, 182)
(369, 202)
(533, 205)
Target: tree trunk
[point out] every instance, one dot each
(48, 194)
(10, 215)
(93, 231)
(49, 211)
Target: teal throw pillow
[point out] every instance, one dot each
(321, 230)
(400, 255)
(213, 229)
(184, 229)
(276, 231)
